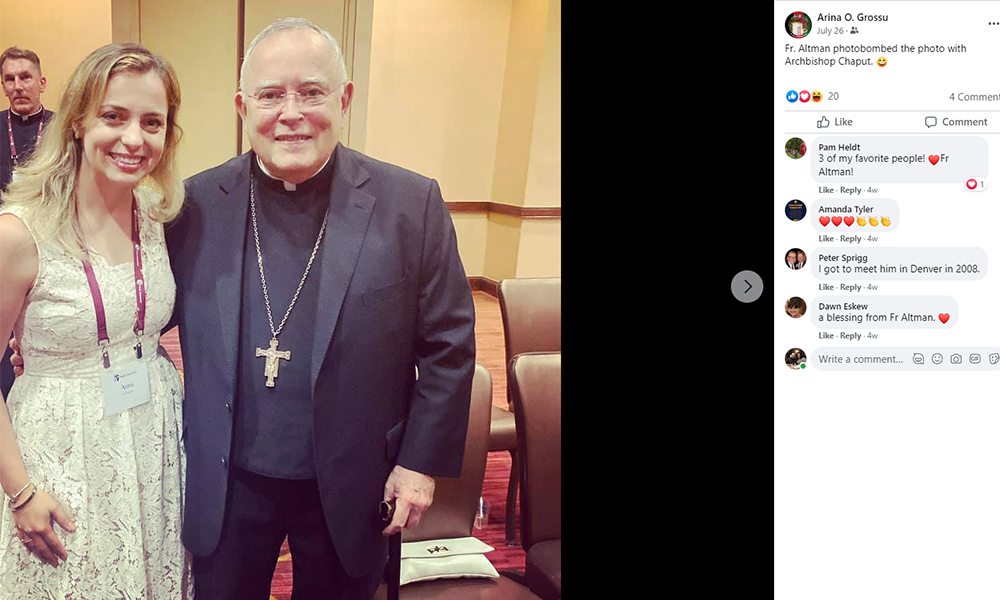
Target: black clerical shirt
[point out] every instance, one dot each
(273, 425)
(25, 134)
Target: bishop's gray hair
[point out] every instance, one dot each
(295, 23)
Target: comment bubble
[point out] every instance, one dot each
(851, 212)
(911, 159)
(884, 312)
(912, 358)
(898, 263)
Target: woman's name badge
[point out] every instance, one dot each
(125, 388)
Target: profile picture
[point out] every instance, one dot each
(795, 210)
(798, 25)
(795, 148)
(795, 307)
(795, 259)
(795, 359)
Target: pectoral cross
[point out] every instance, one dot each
(271, 356)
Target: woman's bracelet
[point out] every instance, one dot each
(13, 497)
(13, 508)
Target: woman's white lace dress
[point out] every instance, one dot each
(120, 477)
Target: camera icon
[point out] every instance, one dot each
(956, 359)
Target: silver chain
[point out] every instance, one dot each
(260, 263)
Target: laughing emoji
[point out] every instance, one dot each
(881, 61)
(817, 96)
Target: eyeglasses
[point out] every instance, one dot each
(272, 98)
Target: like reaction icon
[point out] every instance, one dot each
(823, 122)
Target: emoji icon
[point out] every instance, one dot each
(873, 221)
(956, 359)
(849, 221)
(824, 221)
(836, 221)
(886, 222)
(937, 358)
(861, 221)
(881, 61)
(943, 317)
(804, 96)
(975, 359)
(817, 95)
(994, 358)
(933, 159)
(971, 184)
(918, 358)
(792, 96)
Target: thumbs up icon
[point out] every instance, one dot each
(823, 122)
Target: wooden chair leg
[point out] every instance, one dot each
(511, 530)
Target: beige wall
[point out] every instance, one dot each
(503, 237)
(520, 88)
(539, 252)
(435, 85)
(62, 32)
(544, 174)
(203, 53)
(471, 230)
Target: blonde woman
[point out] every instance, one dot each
(91, 456)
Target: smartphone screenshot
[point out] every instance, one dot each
(886, 300)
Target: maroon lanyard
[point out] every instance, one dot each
(10, 133)
(140, 293)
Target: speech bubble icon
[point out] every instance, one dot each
(930, 121)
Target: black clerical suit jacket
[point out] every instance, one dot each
(393, 294)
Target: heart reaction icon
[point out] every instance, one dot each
(934, 158)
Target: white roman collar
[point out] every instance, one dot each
(290, 186)
(26, 117)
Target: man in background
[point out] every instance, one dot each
(23, 85)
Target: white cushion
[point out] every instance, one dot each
(445, 559)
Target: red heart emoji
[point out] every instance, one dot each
(934, 158)
(836, 221)
(849, 221)
(943, 317)
(824, 221)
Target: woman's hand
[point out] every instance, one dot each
(34, 524)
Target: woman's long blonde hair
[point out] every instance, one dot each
(46, 183)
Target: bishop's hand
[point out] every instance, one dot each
(414, 493)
